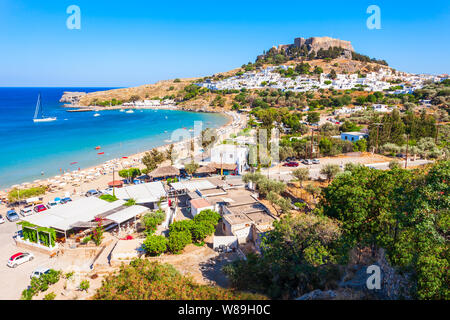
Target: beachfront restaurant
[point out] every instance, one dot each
(78, 217)
(146, 194)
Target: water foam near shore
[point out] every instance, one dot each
(69, 143)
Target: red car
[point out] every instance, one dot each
(291, 164)
(40, 208)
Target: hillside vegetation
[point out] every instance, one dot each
(145, 280)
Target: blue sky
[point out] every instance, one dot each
(127, 43)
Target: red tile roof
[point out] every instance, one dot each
(200, 203)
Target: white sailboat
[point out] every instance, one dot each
(38, 114)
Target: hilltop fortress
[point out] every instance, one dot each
(317, 43)
(314, 44)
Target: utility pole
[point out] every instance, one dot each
(114, 193)
(312, 139)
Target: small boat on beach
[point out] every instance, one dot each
(38, 113)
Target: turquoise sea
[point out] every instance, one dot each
(28, 148)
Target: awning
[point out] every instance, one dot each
(127, 214)
(116, 184)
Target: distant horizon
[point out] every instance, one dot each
(144, 42)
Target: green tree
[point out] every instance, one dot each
(313, 117)
(178, 241)
(191, 168)
(360, 145)
(171, 154)
(155, 245)
(152, 159)
(330, 171)
(301, 174)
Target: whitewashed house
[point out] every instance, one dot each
(232, 155)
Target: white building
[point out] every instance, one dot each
(230, 154)
(199, 205)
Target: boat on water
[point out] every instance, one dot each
(98, 148)
(38, 113)
(121, 110)
(97, 115)
(129, 111)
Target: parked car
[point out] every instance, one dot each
(316, 161)
(40, 208)
(12, 216)
(51, 204)
(19, 258)
(1, 219)
(39, 272)
(65, 200)
(27, 211)
(308, 162)
(92, 192)
(291, 164)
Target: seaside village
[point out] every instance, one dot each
(270, 77)
(88, 222)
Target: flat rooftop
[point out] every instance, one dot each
(247, 209)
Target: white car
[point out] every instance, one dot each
(39, 272)
(26, 211)
(19, 258)
(1, 219)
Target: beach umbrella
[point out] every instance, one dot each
(57, 199)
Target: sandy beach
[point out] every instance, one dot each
(76, 183)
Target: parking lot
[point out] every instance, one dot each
(283, 173)
(15, 280)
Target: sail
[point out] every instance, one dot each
(38, 105)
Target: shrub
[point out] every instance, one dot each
(50, 296)
(27, 294)
(209, 216)
(201, 230)
(84, 285)
(146, 280)
(155, 245)
(152, 220)
(184, 225)
(86, 239)
(178, 240)
(41, 284)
